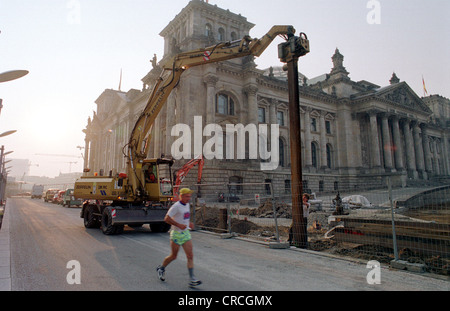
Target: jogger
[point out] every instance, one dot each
(179, 217)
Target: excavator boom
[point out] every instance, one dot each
(140, 136)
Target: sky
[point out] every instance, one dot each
(75, 49)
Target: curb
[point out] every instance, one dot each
(5, 253)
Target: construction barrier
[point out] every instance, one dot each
(372, 222)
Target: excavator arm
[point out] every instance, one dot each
(173, 68)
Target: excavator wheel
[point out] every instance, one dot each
(90, 220)
(107, 227)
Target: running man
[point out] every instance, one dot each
(179, 216)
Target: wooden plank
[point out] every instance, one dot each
(419, 244)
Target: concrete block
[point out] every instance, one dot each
(404, 265)
(279, 245)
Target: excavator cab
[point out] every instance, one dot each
(158, 179)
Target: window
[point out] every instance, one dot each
(287, 186)
(221, 36)
(313, 125)
(268, 186)
(314, 155)
(280, 118)
(208, 30)
(234, 36)
(336, 185)
(261, 115)
(328, 127)
(329, 156)
(281, 152)
(235, 186)
(224, 104)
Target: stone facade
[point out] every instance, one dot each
(353, 133)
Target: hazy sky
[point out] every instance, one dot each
(74, 49)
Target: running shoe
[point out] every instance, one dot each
(195, 282)
(161, 271)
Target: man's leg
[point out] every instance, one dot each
(188, 249)
(174, 248)
(162, 268)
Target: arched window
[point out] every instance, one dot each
(224, 104)
(208, 30)
(314, 154)
(221, 35)
(235, 187)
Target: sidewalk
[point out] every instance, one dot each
(5, 253)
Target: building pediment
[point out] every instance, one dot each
(400, 94)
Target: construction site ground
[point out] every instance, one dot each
(257, 222)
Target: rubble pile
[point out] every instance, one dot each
(265, 210)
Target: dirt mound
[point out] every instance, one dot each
(265, 210)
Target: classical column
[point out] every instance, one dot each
(308, 140)
(251, 91)
(387, 145)
(86, 153)
(210, 81)
(323, 140)
(170, 122)
(273, 112)
(398, 148)
(418, 148)
(426, 148)
(410, 154)
(375, 151)
(156, 140)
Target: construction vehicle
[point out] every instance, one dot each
(49, 194)
(144, 194)
(182, 172)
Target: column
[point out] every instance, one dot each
(210, 82)
(156, 139)
(251, 91)
(308, 159)
(410, 154)
(387, 145)
(170, 122)
(426, 148)
(323, 140)
(418, 149)
(398, 148)
(86, 153)
(375, 151)
(273, 112)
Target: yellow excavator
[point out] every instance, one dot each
(144, 194)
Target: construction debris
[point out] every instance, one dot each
(265, 210)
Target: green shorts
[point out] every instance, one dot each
(180, 237)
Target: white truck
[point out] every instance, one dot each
(37, 191)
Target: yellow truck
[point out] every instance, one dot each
(144, 194)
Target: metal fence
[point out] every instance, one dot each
(374, 222)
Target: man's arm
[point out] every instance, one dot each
(172, 222)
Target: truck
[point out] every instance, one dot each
(49, 194)
(145, 192)
(37, 191)
(69, 199)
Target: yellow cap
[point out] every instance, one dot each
(185, 191)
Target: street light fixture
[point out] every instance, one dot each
(12, 75)
(7, 133)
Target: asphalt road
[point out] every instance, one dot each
(45, 237)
